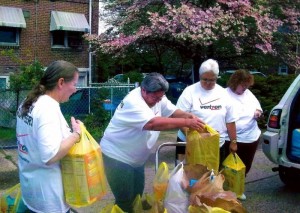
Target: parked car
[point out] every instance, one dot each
(86, 100)
(120, 78)
(281, 140)
(123, 79)
(253, 72)
(176, 87)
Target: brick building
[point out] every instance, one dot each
(47, 30)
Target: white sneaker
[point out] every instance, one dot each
(242, 197)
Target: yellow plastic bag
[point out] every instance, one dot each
(83, 172)
(234, 172)
(11, 200)
(160, 182)
(112, 208)
(203, 148)
(206, 209)
(152, 205)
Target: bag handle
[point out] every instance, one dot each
(234, 158)
(84, 131)
(12, 189)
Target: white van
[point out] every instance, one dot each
(281, 141)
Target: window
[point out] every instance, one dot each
(11, 21)
(82, 80)
(67, 29)
(67, 39)
(58, 38)
(283, 70)
(9, 36)
(4, 82)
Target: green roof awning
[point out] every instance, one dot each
(12, 17)
(68, 21)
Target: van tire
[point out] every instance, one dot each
(289, 176)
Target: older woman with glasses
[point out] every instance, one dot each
(133, 131)
(209, 102)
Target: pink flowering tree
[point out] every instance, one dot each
(226, 30)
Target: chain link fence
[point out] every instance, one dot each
(86, 101)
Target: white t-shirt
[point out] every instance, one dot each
(124, 139)
(212, 106)
(245, 105)
(39, 135)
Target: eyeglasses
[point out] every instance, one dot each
(154, 96)
(206, 80)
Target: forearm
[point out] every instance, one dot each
(65, 147)
(162, 123)
(231, 129)
(181, 114)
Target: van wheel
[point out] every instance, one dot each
(289, 176)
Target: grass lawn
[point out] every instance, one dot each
(7, 133)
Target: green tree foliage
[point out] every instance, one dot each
(233, 32)
(268, 91)
(27, 78)
(29, 74)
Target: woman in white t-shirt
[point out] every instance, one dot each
(209, 101)
(132, 133)
(44, 137)
(249, 110)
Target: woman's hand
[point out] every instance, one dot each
(76, 125)
(233, 147)
(195, 123)
(257, 114)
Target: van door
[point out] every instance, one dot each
(293, 137)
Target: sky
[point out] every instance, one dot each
(102, 25)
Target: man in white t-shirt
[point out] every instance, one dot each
(133, 131)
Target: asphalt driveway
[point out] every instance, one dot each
(264, 190)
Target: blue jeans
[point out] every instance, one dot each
(125, 181)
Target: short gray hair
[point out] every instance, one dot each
(155, 82)
(209, 65)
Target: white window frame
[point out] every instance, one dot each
(83, 77)
(6, 82)
(283, 69)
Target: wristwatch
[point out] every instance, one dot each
(233, 141)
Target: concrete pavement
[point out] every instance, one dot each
(264, 190)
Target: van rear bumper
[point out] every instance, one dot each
(274, 153)
(270, 146)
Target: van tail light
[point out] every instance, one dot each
(274, 119)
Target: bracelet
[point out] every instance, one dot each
(233, 141)
(79, 135)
